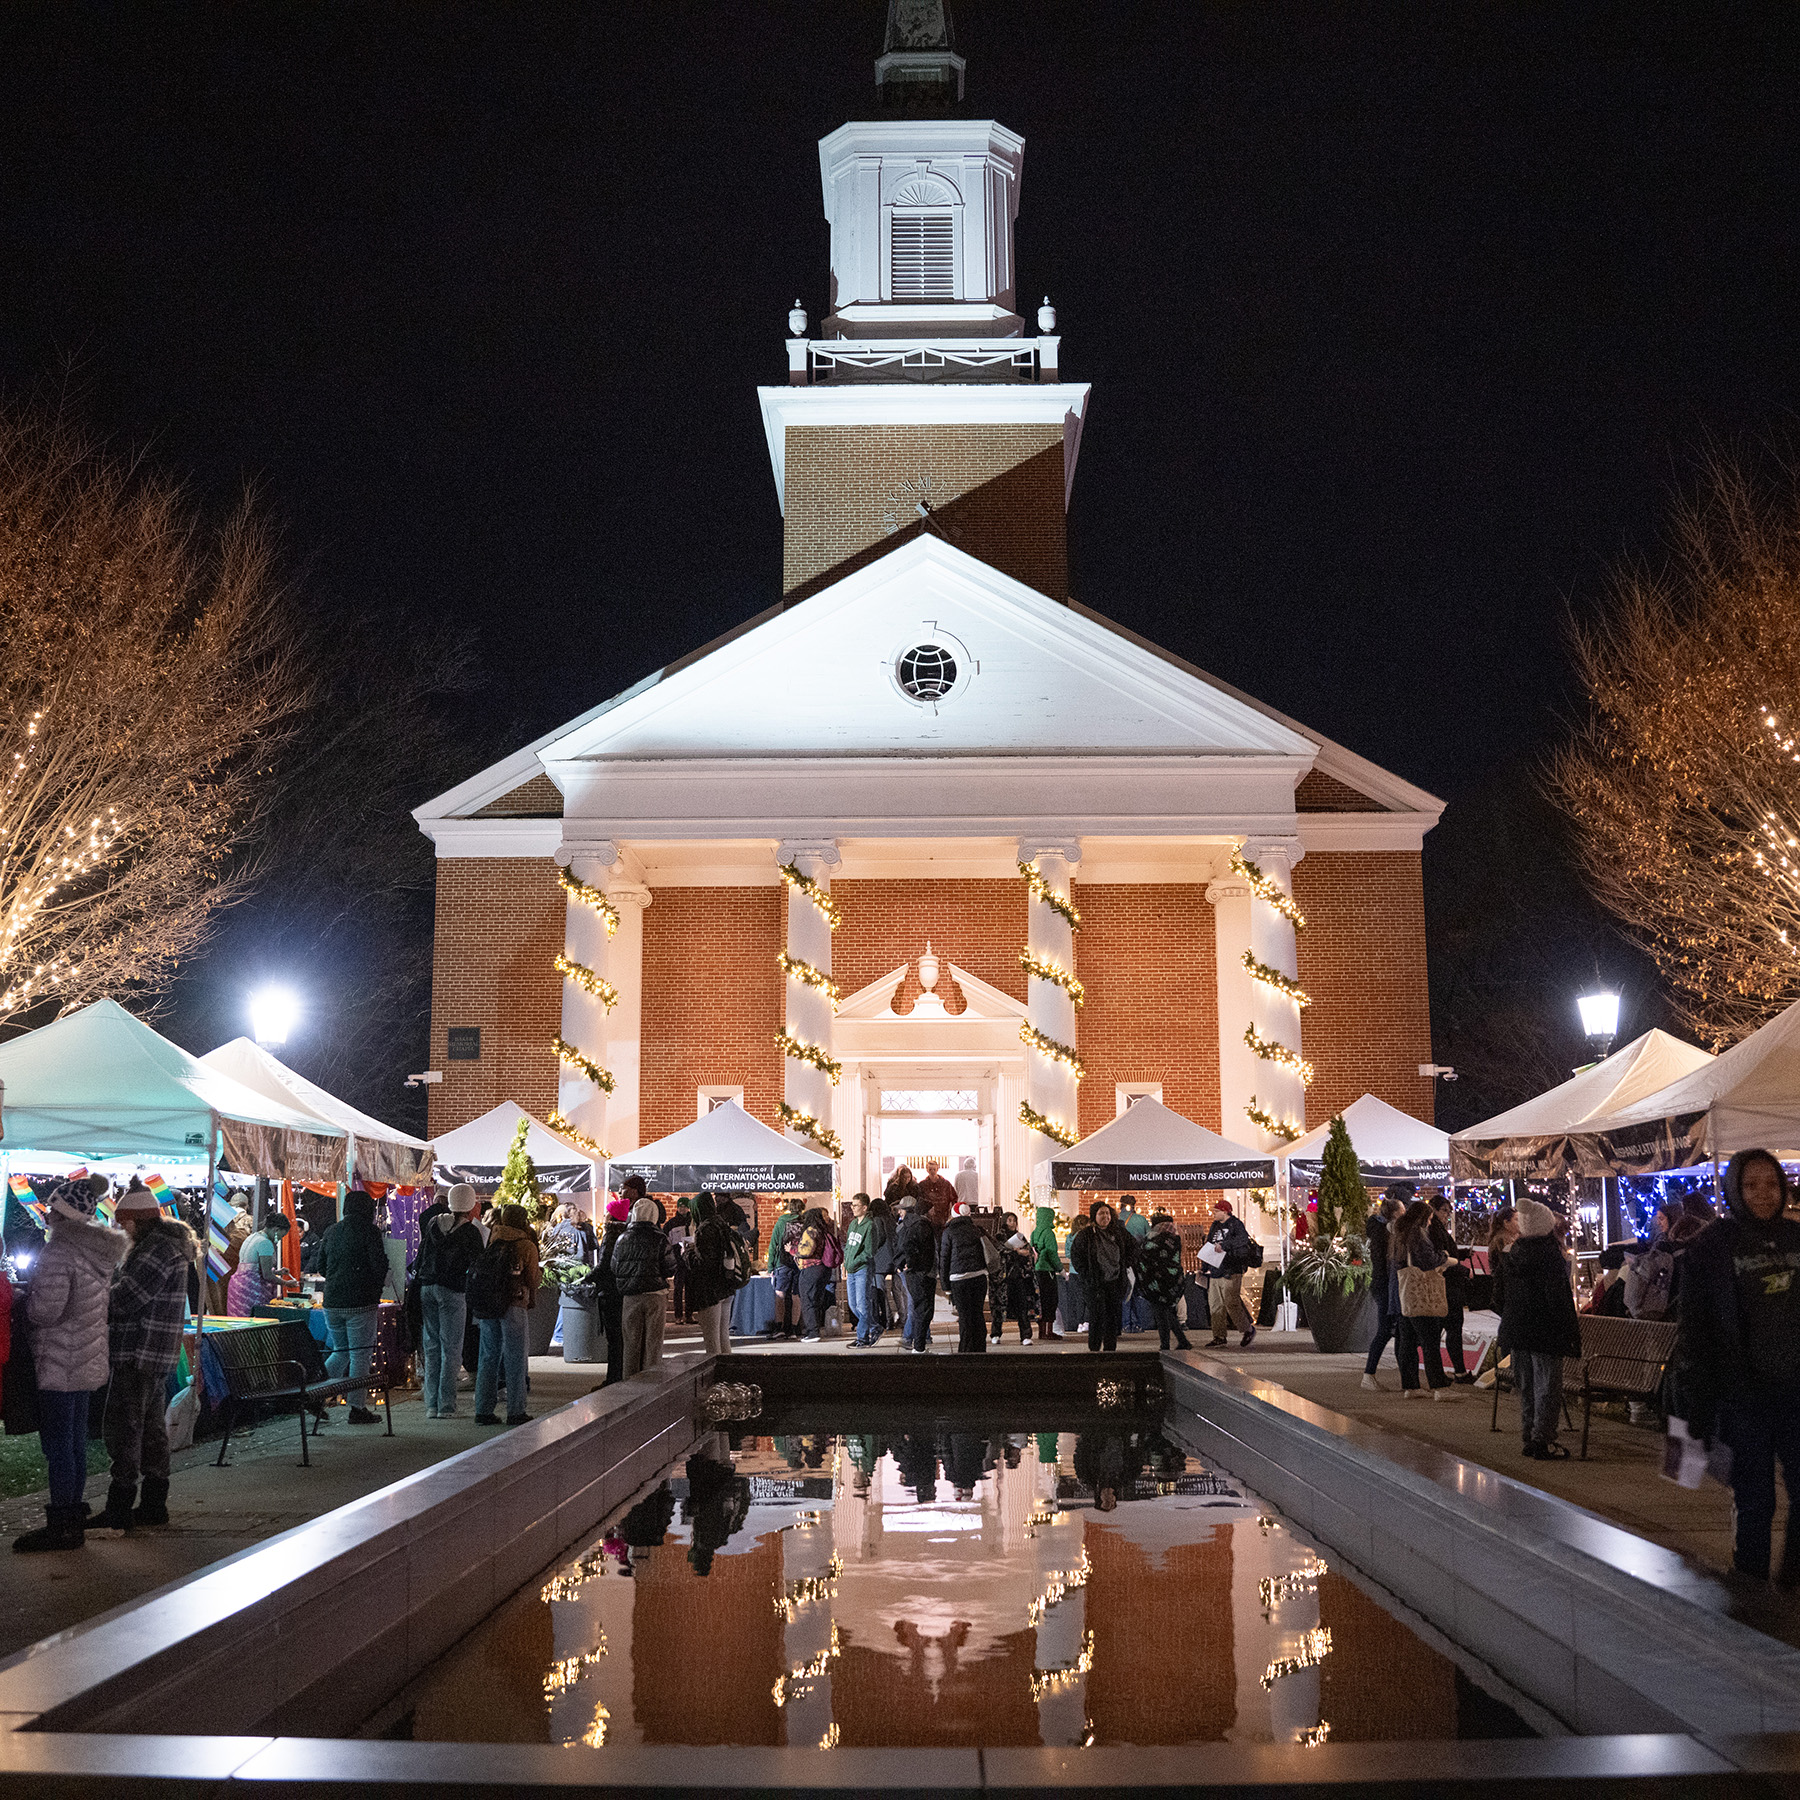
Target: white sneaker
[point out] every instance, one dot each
(1373, 1385)
(1412, 1393)
(1445, 1393)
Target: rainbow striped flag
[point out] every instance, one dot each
(22, 1192)
(164, 1198)
(218, 1220)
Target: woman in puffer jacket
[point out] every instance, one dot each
(70, 1286)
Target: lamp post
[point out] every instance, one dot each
(1599, 1021)
(273, 1011)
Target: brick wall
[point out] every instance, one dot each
(499, 925)
(712, 1002)
(1325, 793)
(1145, 954)
(998, 491)
(1362, 958)
(979, 925)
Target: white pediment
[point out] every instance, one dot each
(817, 679)
(982, 1003)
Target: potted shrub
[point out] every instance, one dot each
(578, 1304)
(1330, 1272)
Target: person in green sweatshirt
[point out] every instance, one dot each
(1047, 1267)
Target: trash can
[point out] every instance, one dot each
(581, 1337)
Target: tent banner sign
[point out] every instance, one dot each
(484, 1178)
(736, 1178)
(1655, 1146)
(1112, 1178)
(1418, 1168)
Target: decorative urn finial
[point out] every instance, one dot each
(797, 320)
(1046, 317)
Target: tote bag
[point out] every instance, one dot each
(1423, 1294)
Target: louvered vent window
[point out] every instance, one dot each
(924, 256)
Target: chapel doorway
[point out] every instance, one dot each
(917, 1118)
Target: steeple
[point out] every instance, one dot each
(918, 70)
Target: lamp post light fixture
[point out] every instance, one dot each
(1599, 1021)
(273, 1011)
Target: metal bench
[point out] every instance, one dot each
(1621, 1359)
(285, 1363)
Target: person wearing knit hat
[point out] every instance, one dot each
(1540, 1327)
(612, 1302)
(449, 1243)
(67, 1309)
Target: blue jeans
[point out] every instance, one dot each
(352, 1331)
(62, 1431)
(861, 1306)
(443, 1311)
(503, 1341)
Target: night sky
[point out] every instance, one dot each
(1404, 322)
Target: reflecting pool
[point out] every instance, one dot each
(950, 1584)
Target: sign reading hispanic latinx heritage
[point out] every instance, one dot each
(734, 1178)
(1253, 1171)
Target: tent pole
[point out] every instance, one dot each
(1712, 1139)
(212, 1163)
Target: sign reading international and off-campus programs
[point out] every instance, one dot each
(1112, 1178)
(729, 1178)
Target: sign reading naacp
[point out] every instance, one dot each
(1111, 1178)
(736, 1178)
(1418, 1168)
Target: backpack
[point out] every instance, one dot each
(830, 1255)
(1649, 1280)
(990, 1252)
(735, 1263)
(490, 1285)
(807, 1250)
(1253, 1255)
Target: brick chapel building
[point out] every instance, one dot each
(632, 912)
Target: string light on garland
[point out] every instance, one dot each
(1281, 1128)
(564, 1127)
(1279, 1054)
(590, 897)
(797, 1118)
(801, 1051)
(1046, 970)
(1042, 890)
(587, 980)
(1048, 1047)
(1266, 888)
(570, 1057)
(808, 976)
(1054, 1129)
(817, 895)
(1273, 978)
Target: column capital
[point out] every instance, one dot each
(813, 857)
(628, 893)
(1285, 850)
(1068, 849)
(1226, 887)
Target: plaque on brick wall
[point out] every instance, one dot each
(465, 1043)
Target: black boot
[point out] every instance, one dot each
(62, 1531)
(154, 1509)
(117, 1516)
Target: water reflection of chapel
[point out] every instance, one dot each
(927, 709)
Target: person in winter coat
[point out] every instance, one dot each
(643, 1264)
(1012, 1290)
(916, 1256)
(612, 1302)
(1456, 1280)
(785, 1320)
(1738, 1355)
(869, 1232)
(354, 1261)
(505, 1341)
(1046, 1266)
(143, 1319)
(1379, 1232)
(963, 1268)
(1101, 1252)
(1224, 1286)
(1418, 1335)
(816, 1254)
(1540, 1327)
(448, 1247)
(1160, 1277)
(939, 1195)
(708, 1281)
(70, 1282)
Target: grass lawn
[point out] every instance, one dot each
(22, 1467)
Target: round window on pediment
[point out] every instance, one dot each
(931, 670)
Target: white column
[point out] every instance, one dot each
(584, 1020)
(1050, 1086)
(625, 1024)
(808, 1012)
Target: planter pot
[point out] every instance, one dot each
(540, 1322)
(581, 1340)
(1341, 1321)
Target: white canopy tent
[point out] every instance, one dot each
(1746, 1099)
(731, 1152)
(1537, 1139)
(1151, 1146)
(477, 1152)
(377, 1152)
(1390, 1146)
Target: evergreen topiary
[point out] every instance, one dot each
(1343, 1200)
(519, 1179)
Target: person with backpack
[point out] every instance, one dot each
(502, 1289)
(966, 1254)
(1238, 1251)
(66, 1304)
(715, 1264)
(448, 1247)
(612, 1302)
(1101, 1252)
(816, 1253)
(785, 1320)
(916, 1256)
(1162, 1281)
(643, 1264)
(354, 1261)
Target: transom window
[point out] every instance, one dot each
(930, 1100)
(923, 255)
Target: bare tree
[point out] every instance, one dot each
(148, 675)
(1683, 784)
